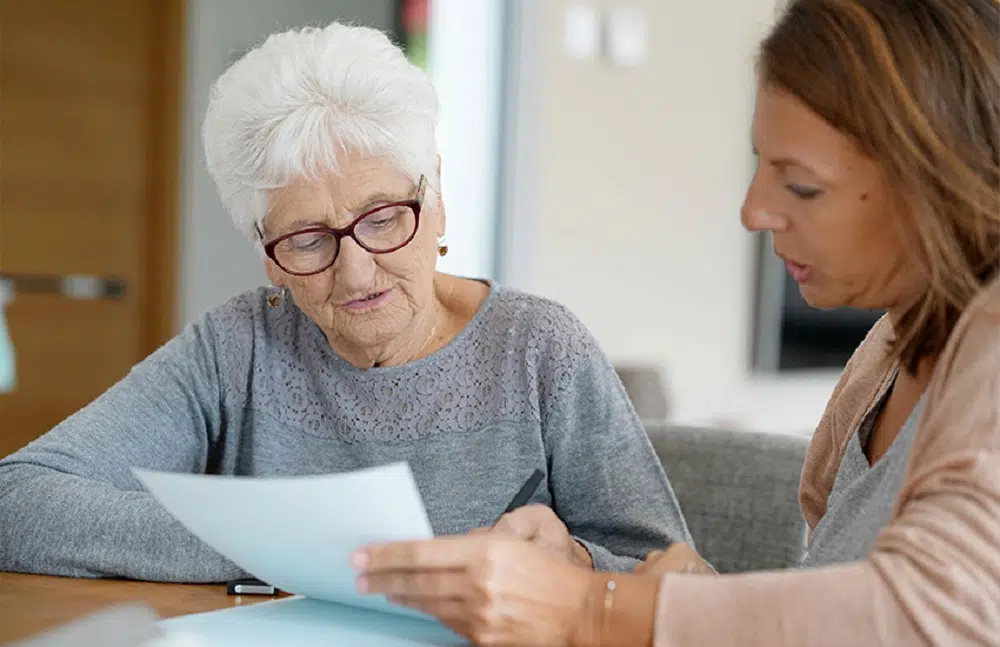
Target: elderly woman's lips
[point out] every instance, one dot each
(373, 300)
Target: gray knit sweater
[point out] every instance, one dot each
(254, 390)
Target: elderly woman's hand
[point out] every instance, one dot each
(492, 589)
(539, 525)
(677, 558)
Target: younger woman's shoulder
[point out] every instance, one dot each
(974, 345)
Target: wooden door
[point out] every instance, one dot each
(88, 182)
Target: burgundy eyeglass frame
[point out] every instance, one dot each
(414, 204)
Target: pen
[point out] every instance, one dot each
(251, 586)
(525, 493)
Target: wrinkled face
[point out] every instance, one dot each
(364, 299)
(834, 216)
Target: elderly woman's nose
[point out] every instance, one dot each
(353, 260)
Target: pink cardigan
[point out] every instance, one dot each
(933, 577)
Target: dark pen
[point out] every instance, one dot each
(524, 494)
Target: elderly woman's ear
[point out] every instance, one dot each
(275, 278)
(274, 273)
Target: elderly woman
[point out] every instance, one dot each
(321, 142)
(877, 130)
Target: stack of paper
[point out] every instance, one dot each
(298, 534)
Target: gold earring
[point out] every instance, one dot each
(274, 300)
(442, 246)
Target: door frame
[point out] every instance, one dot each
(160, 273)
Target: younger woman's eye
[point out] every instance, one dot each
(804, 192)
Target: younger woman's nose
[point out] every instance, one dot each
(761, 219)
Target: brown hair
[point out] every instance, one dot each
(916, 84)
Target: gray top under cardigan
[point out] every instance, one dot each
(862, 499)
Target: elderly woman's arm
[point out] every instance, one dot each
(607, 484)
(69, 503)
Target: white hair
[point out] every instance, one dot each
(290, 106)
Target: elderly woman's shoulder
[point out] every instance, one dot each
(538, 323)
(261, 313)
(245, 308)
(230, 335)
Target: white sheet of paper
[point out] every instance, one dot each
(298, 533)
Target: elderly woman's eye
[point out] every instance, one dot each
(381, 219)
(307, 242)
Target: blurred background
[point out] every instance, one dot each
(596, 153)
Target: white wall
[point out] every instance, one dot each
(216, 261)
(625, 202)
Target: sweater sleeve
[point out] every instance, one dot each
(933, 577)
(607, 483)
(69, 503)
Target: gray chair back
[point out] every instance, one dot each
(739, 494)
(646, 389)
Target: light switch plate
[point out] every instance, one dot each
(582, 37)
(627, 39)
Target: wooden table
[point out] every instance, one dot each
(30, 604)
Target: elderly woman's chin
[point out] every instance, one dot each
(366, 323)
(373, 328)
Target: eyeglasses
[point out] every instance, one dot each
(381, 230)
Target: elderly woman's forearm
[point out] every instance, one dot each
(58, 524)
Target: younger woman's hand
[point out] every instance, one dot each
(678, 558)
(493, 589)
